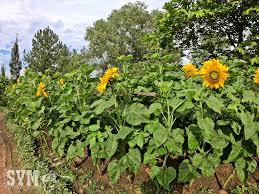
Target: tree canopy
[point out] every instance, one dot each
(15, 62)
(48, 52)
(218, 26)
(121, 33)
(3, 70)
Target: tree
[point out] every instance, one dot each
(15, 62)
(121, 33)
(47, 51)
(219, 27)
(3, 70)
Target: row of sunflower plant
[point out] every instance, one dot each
(117, 119)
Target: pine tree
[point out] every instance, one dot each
(3, 71)
(46, 51)
(15, 62)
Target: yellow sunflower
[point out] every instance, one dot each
(112, 72)
(214, 73)
(256, 78)
(42, 90)
(190, 70)
(101, 87)
(104, 80)
(61, 82)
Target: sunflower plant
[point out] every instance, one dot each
(148, 114)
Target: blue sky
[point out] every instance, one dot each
(68, 18)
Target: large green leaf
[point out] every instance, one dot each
(207, 126)
(137, 140)
(111, 146)
(187, 105)
(114, 171)
(101, 105)
(153, 127)
(248, 96)
(136, 114)
(250, 126)
(160, 136)
(252, 165)
(240, 165)
(186, 172)
(131, 160)
(238, 151)
(163, 175)
(155, 108)
(123, 132)
(216, 104)
(175, 142)
(194, 137)
(204, 164)
(75, 149)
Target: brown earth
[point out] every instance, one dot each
(221, 183)
(5, 160)
(9, 160)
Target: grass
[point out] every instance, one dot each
(246, 190)
(26, 149)
(3, 109)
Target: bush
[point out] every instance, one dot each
(151, 114)
(3, 85)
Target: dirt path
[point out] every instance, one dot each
(5, 160)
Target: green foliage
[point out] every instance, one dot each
(211, 28)
(15, 62)
(121, 33)
(4, 82)
(48, 52)
(30, 160)
(128, 126)
(3, 70)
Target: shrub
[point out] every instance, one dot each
(3, 85)
(151, 114)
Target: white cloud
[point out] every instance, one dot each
(68, 18)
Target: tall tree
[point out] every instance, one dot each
(47, 51)
(15, 62)
(216, 26)
(121, 33)
(3, 70)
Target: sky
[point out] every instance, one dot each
(67, 18)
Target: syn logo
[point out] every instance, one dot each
(28, 177)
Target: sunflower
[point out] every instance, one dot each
(61, 82)
(256, 78)
(190, 70)
(104, 80)
(101, 87)
(112, 72)
(213, 73)
(42, 90)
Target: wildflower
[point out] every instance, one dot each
(256, 77)
(42, 90)
(61, 82)
(214, 73)
(104, 80)
(190, 70)
(112, 72)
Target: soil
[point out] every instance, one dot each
(9, 160)
(221, 183)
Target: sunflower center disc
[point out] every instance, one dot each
(214, 75)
